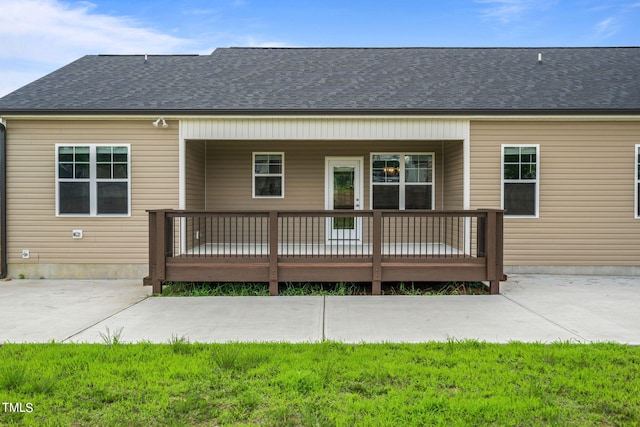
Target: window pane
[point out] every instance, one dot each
(528, 171)
(418, 168)
(511, 158)
(120, 172)
(82, 154)
(420, 161)
(275, 169)
(418, 175)
(74, 198)
(113, 198)
(511, 171)
(528, 158)
(120, 154)
(103, 154)
(386, 197)
(520, 199)
(379, 164)
(262, 169)
(377, 175)
(65, 170)
(268, 186)
(386, 168)
(267, 164)
(417, 197)
(65, 154)
(82, 170)
(103, 171)
(511, 154)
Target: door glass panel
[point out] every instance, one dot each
(343, 195)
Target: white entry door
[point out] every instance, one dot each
(343, 182)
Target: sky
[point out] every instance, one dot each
(40, 36)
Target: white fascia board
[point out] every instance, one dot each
(551, 117)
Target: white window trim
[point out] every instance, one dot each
(636, 180)
(535, 181)
(93, 180)
(253, 173)
(402, 183)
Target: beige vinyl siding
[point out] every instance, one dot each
(586, 215)
(229, 167)
(31, 163)
(195, 163)
(195, 170)
(453, 176)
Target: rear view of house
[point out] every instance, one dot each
(397, 155)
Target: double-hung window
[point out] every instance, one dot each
(93, 180)
(402, 181)
(520, 180)
(268, 175)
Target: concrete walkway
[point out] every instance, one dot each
(531, 308)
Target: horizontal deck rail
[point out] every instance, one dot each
(325, 246)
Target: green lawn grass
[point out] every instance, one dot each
(327, 384)
(322, 289)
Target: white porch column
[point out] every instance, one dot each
(466, 183)
(182, 184)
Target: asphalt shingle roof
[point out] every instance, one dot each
(308, 80)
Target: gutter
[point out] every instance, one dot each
(3, 201)
(325, 112)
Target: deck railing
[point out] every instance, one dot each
(325, 246)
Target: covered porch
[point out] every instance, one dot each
(325, 199)
(325, 246)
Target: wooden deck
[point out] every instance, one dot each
(325, 246)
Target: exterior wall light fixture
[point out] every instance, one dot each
(160, 120)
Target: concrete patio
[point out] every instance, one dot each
(530, 308)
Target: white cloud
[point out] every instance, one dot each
(45, 26)
(505, 11)
(606, 28)
(39, 36)
(47, 34)
(251, 41)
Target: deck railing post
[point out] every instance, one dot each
(159, 228)
(481, 239)
(152, 250)
(376, 284)
(273, 253)
(492, 252)
(499, 249)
